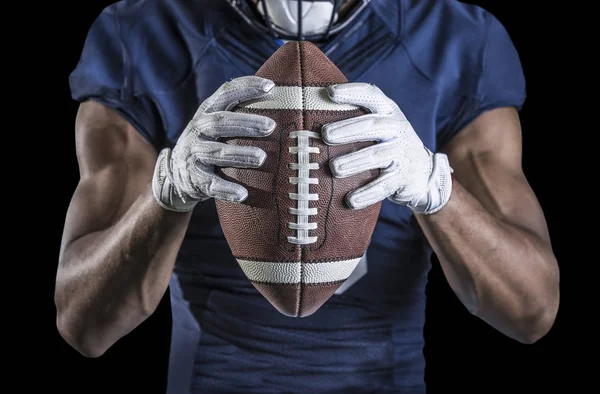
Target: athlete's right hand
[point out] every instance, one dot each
(186, 175)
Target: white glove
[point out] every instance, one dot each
(411, 174)
(186, 175)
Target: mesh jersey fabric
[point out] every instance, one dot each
(443, 62)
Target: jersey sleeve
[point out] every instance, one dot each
(104, 74)
(501, 81)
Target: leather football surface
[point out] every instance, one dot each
(294, 237)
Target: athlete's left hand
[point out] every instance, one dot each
(411, 174)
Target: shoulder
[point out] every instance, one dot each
(446, 40)
(162, 40)
(450, 17)
(203, 17)
(137, 50)
(411, 14)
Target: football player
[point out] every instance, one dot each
(443, 84)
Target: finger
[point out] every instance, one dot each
(220, 154)
(226, 124)
(364, 128)
(206, 183)
(378, 190)
(380, 156)
(363, 95)
(236, 91)
(409, 192)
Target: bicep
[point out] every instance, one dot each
(115, 166)
(487, 160)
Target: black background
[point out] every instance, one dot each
(463, 353)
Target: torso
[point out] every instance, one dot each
(371, 335)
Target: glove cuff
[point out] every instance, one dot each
(439, 186)
(163, 187)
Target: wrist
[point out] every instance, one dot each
(163, 186)
(439, 186)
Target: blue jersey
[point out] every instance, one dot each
(442, 61)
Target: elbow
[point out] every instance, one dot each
(534, 333)
(74, 330)
(89, 337)
(78, 334)
(537, 320)
(80, 339)
(536, 325)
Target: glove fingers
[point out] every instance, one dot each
(236, 91)
(378, 190)
(363, 95)
(219, 154)
(207, 184)
(364, 128)
(407, 194)
(377, 156)
(233, 124)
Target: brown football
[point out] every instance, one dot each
(294, 236)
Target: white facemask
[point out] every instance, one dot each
(284, 15)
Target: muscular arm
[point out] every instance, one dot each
(491, 237)
(119, 246)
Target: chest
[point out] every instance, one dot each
(378, 59)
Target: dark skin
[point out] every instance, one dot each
(119, 246)
(491, 237)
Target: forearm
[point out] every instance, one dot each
(111, 280)
(502, 273)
